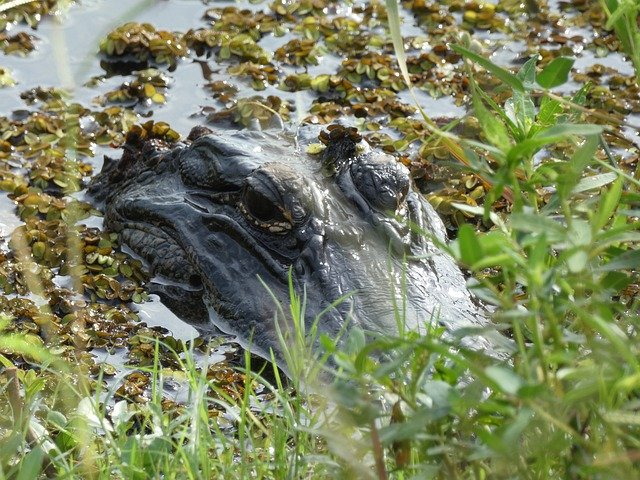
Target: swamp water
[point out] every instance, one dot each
(199, 88)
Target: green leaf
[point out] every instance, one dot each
(626, 261)
(595, 181)
(31, 465)
(615, 281)
(577, 261)
(505, 379)
(56, 418)
(10, 445)
(415, 424)
(490, 261)
(494, 243)
(470, 249)
(620, 343)
(493, 106)
(502, 74)
(549, 111)
(513, 432)
(355, 341)
(492, 127)
(527, 73)
(579, 161)
(553, 134)
(538, 224)
(580, 97)
(556, 73)
(617, 235)
(608, 204)
(522, 111)
(580, 232)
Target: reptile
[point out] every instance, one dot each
(235, 220)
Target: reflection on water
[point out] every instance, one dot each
(154, 313)
(9, 221)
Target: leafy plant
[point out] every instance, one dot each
(623, 18)
(558, 268)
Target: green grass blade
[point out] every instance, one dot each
(500, 73)
(608, 204)
(396, 38)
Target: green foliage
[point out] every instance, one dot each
(623, 18)
(559, 269)
(556, 73)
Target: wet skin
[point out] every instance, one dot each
(232, 217)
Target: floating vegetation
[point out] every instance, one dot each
(296, 82)
(244, 47)
(299, 52)
(226, 46)
(6, 78)
(21, 43)
(248, 110)
(160, 130)
(288, 9)
(235, 20)
(203, 40)
(377, 68)
(143, 42)
(30, 13)
(148, 87)
(482, 15)
(222, 90)
(40, 165)
(260, 75)
(40, 139)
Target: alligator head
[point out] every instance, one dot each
(241, 215)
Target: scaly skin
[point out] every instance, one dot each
(233, 211)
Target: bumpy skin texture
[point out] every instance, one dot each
(232, 211)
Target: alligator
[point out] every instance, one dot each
(237, 219)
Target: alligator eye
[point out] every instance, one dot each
(262, 210)
(260, 207)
